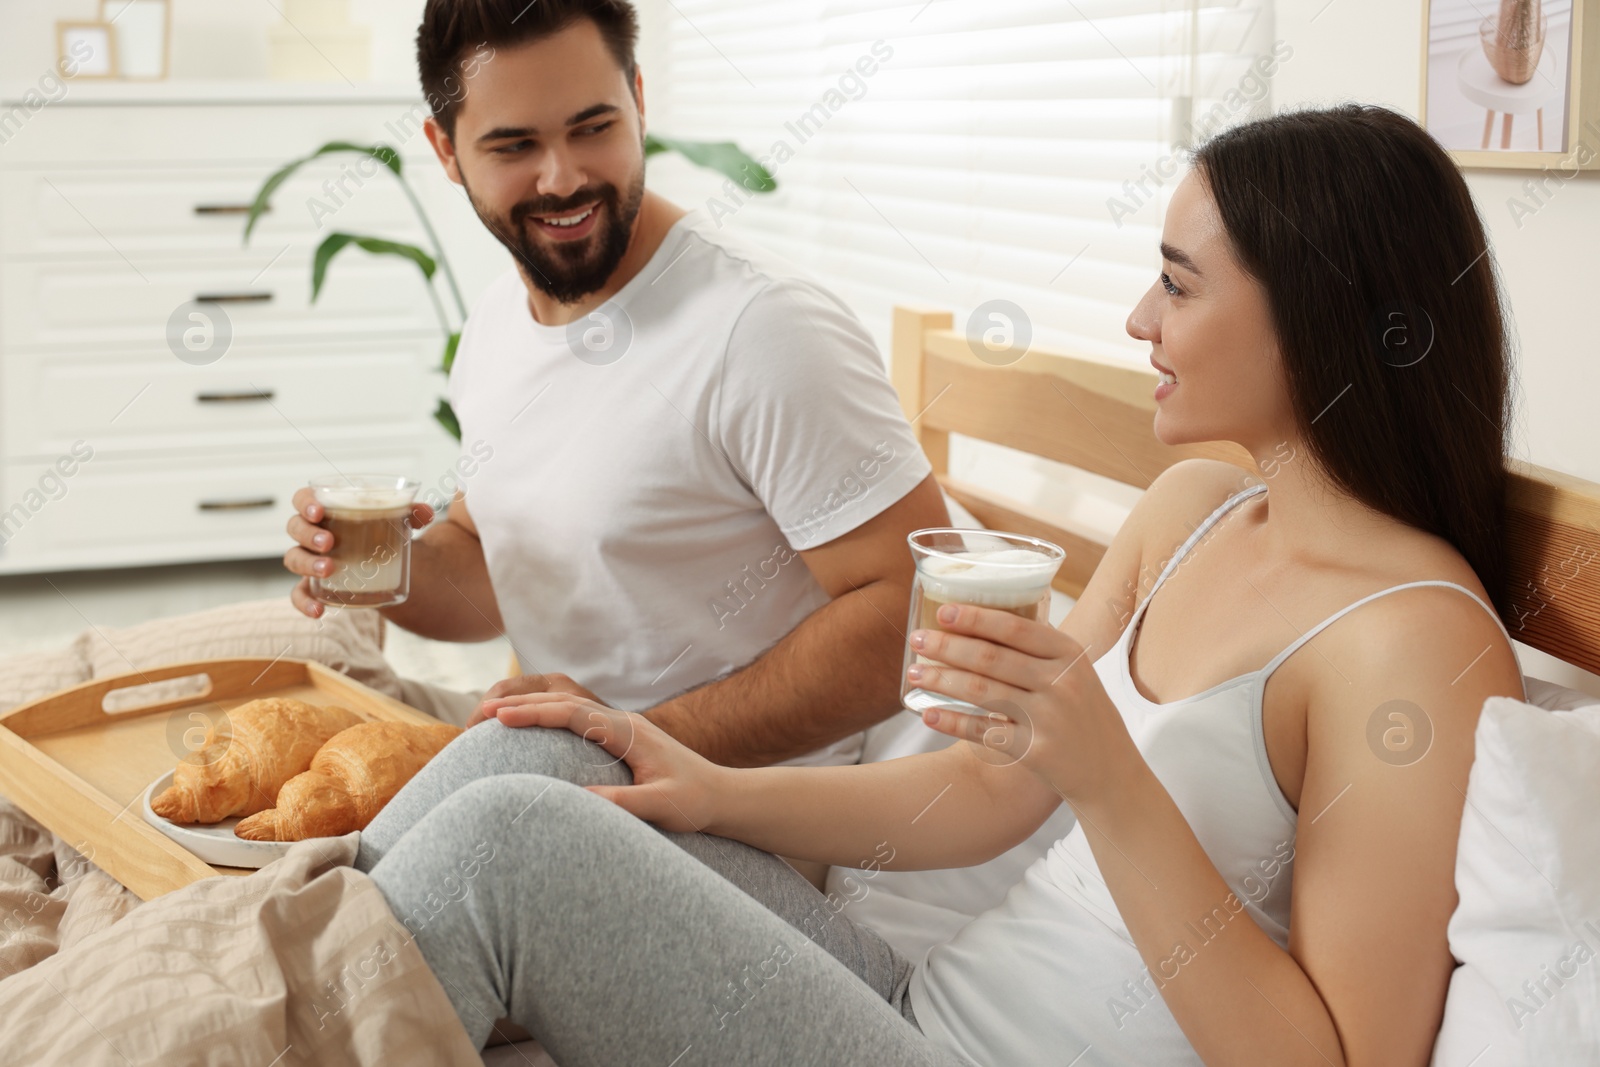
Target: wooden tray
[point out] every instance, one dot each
(80, 769)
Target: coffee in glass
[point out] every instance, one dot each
(1007, 572)
(368, 516)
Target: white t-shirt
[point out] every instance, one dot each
(654, 469)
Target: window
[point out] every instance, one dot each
(950, 152)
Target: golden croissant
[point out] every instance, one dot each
(239, 769)
(351, 778)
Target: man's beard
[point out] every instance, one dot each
(569, 272)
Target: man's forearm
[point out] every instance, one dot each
(451, 597)
(836, 673)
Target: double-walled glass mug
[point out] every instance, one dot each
(1008, 572)
(369, 518)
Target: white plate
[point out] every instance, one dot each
(216, 844)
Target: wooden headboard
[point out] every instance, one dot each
(1096, 416)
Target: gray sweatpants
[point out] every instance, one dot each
(615, 943)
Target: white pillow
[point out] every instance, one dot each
(1555, 697)
(1527, 928)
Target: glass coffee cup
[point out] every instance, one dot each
(1008, 572)
(369, 518)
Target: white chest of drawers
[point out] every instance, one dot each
(120, 204)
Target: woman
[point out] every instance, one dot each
(1261, 707)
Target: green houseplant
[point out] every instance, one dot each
(721, 156)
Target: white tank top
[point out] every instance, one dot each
(1051, 975)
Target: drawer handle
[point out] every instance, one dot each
(239, 505)
(226, 209)
(234, 298)
(233, 398)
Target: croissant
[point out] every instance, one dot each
(240, 768)
(351, 778)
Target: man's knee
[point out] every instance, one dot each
(465, 756)
(492, 744)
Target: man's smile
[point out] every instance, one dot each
(570, 225)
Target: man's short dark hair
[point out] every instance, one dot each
(455, 35)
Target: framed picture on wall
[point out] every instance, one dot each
(87, 46)
(1503, 81)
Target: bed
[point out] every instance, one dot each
(1090, 415)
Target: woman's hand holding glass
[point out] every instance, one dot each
(1047, 708)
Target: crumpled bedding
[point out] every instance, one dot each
(301, 963)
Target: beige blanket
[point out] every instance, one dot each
(302, 963)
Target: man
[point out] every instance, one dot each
(700, 481)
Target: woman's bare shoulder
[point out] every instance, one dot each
(1184, 495)
(1433, 636)
(1173, 505)
(1435, 631)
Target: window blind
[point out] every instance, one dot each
(953, 152)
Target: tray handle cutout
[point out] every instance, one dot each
(157, 696)
(85, 704)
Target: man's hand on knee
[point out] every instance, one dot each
(530, 683)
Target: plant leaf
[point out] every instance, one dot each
(382, 153)
(335, 243)
(724, 157)
(450, 347)
(445, 416)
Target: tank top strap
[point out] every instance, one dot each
(1277, 660)
(1194, 539)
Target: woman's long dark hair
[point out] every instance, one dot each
(1395, 342)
